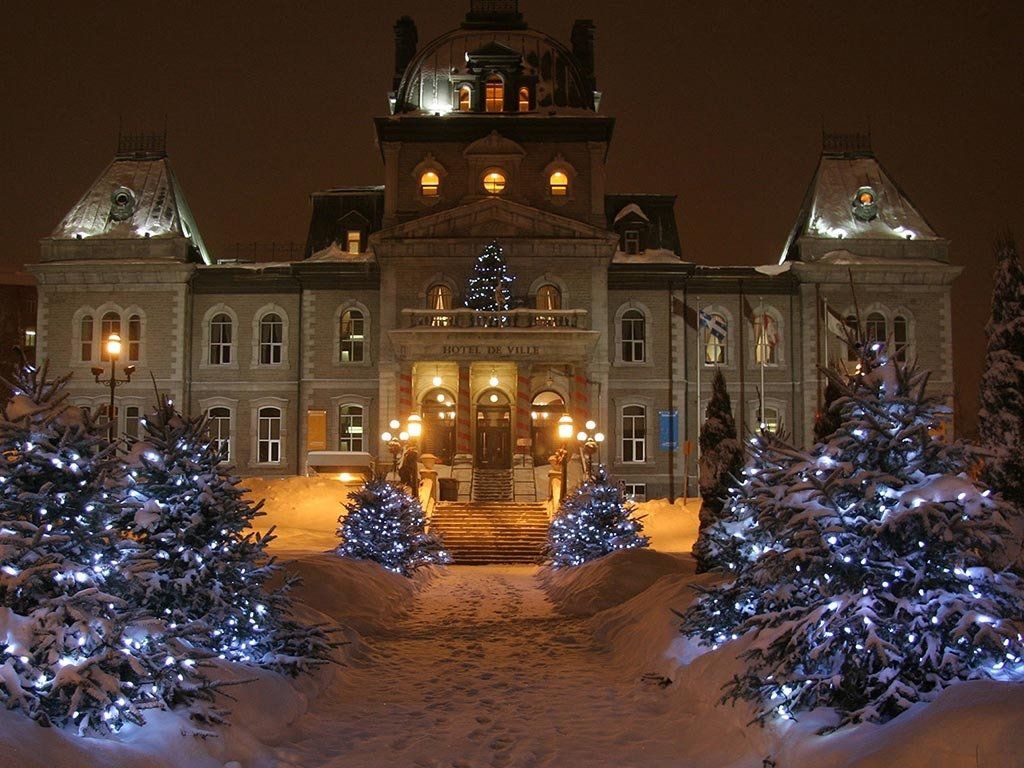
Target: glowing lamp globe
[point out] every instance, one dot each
(599, 437)
(403, 436)
(437, 381)
(581, 436)
(394, 423)
(493, 381)
(114, 345)
(386, 437)
(415, 425)
(591, 425)
(565, 427)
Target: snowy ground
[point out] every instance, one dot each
(517, 666)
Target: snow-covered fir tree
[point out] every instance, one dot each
(211, 570)
(74, 649)
(721, 459)
(827, 421)
(1001, 418)
(385, 524)
(882, 583)
(594, 520)
(489, 288)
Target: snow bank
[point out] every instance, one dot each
(303, 510)
(671, 527)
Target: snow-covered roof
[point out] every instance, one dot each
(627, 210)
(136, 197)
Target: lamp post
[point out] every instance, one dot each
(113, 347)
(565, 435)
(397, 439)
(590, 444)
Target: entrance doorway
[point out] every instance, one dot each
(438, 409)
(493, 430)
(544, 412)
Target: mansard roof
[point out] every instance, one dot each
(137, 197)
(659, 212)
(833, 216)
(336, 209)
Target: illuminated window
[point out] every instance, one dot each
(559, 184)
(220, 339)
(494, 182)
(494, 94)
(430, 183)
(134, 338)
(549, 297)
(465, 98)
(634, 332)
(350, 428)
(111, 323)
(634, 433)
(875, 328)
(85, 334)
(271, 339)
(524, 99)
(769, 420)
(219, 427)
(30, 339)
(352, 335)
(353, 241)
(439, 298)
(766, 340)
(716, 330)
(269, 435)
(632, 241)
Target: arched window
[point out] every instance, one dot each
(219, 426)
(268, 435)
(874, 328)
(85, 329)
(494, 182)
(634, 336)
(132, 420)
(558, 183)
(766, 339)
(465, 98)
(716, 334)
(430, 184)
(900, 337)
(524, 99)
(134, 338)
(548, 297)
(439, 299)
(768, 420)
(852, 353)
(634, 433)
(220, 339)
(111, 323)
(494, 94)
(352, 336)
(350, 427)
(271, 339)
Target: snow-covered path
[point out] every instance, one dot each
(481, 672)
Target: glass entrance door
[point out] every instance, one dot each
(493, 431)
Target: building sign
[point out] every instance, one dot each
(668, 429)
(490, 350)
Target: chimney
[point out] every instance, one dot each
(583, 48)
(405, 47)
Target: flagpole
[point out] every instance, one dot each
(701, 351)
(825, 302)
(764, 343)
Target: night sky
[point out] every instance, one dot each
(720, 103)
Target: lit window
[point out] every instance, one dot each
(219, 427)
(494, 182)
(110, 324)
(86, 331)
(269, 436)
(766, 340)
(132, 417)
(875, 328)
(30, 339)
(548, 297)
(350, 428)
(900, 337)
(524, 99)
(465, 98)
(271, 339)
(134, 338)
(220, 339)
(439, 299)
(769, 420)
(634, 332)
(430, 183)
(716, 331)
(632, 241)
(353, 241)
(494, 94)
(352, 336)
(634, 433)
(559, 184)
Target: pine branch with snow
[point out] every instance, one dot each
(489, 288)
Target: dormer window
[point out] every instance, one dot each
(524, 99)
(465, 98)
(430, 183)
(494, 182)
(353, 241)
(558, 184)
(494, 94)
(632, 241)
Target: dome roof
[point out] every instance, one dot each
(560, 81)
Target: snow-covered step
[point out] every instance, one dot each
(492, 532)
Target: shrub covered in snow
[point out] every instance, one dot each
(210, 570)
(881, 581)
(594, 520)
(385, 524)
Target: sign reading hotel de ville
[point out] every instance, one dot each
(491, 350)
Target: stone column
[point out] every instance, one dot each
(523, 421)
(390, 150)
(597, 153)
(463, 433)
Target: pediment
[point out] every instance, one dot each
(495, 217)
(494, 145)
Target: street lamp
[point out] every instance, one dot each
(590, 443)
(113, 347)
(565, 435)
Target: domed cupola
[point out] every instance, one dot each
(494, 63)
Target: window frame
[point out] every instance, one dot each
(217, 437)
(632, 318)
(494, 190)
(224, 349)
(494, 93)
(434, 185)
(345, 418)
(274, 445)
(270, 346)
(633, 447)
(523, 98)
(356, 346)
(110, 323)
(464, 98)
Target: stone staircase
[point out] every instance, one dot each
(492, 485)
(479, 533)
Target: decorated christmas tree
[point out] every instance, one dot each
(385, 524)
(74, 649)
(1001, 418)
(827, 421)
(594, 520)
(720, 462)
(489, 288)
(883, 582)
(210, 569)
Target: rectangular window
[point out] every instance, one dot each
(219, 427)
(354, 241)
(132, 417)
(632, 239)
(350, 428)
(634, 434)
(30, 339)
(269, 437)
(134, 338)
(271, 339)
(102, 415)
(636, 491)
(220, 340)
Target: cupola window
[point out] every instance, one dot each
(430, 184)
(353, 240)
(632, 241)
(465, 98)
(524, 99)
(494, 182)
(494, 94)
(559, 184)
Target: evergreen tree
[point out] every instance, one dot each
(74, 649)
(881, 584)
(826, 421)
(489, 288)
(595, 520)
(1001, 419)
(211, 570)
(385, 524)
(721, 459)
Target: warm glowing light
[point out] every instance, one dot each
(599, 437)
(437, 381)
(430, 183)
(440, 397)
(494, 183)
(386, 436)
(403, 436)
(114, 345)
(415, 425)
(565, 426)
(591, 425)
(493, 381)
(494, 398)
(394, 423)
(582, 436)
(559, 184)
(346, 477)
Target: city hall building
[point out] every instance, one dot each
(494, 135)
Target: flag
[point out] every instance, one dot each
(834, 322)
(767, 337)
(748, 311)
(717, 325)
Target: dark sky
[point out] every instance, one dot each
(721, 103)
